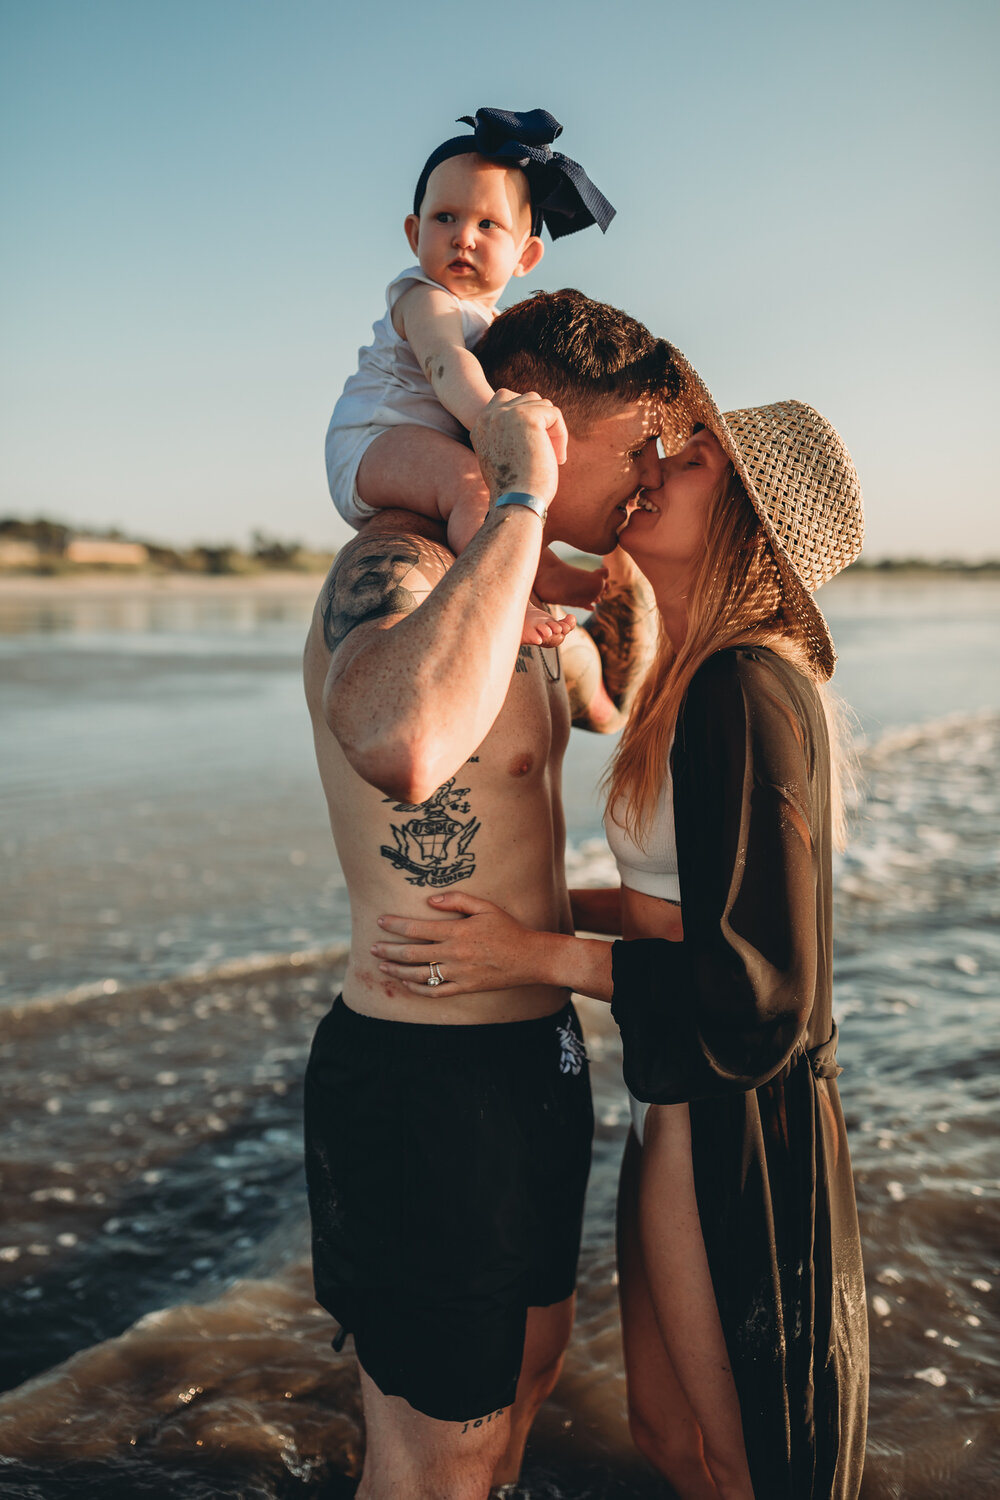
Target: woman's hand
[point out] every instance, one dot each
(486, 949)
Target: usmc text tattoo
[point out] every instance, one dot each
(433, 848)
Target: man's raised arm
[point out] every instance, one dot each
(605, 662)
(422, 644)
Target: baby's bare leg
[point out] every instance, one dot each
(421, 469)
(559, 582)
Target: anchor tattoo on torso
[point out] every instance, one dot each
(433, 848)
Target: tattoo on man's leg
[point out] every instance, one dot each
(433, 849)
(482, 1421)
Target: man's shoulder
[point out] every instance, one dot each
(393, 563)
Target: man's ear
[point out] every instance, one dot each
(530, 256)
(411, 228)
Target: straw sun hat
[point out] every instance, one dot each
(802, 483)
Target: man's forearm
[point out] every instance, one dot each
(410, 699)
(624, 627)
(607, 660)
(411, 703)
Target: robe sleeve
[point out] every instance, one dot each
(723, 1010)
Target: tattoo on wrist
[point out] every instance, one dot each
(365, 583)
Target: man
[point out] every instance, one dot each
(448, 1144)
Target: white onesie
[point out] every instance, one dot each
(651, 870)
(389, 389)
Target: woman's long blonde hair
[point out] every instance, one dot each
(735, 600)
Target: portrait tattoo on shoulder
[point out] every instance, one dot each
(433, 847)
(366, 583)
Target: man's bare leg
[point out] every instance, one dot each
(410, 1454)
(419, 1458)
(545, 1341)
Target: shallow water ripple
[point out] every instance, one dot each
(153, 1271)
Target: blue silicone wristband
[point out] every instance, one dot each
(521, 497)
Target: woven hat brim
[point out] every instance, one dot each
(695, 403)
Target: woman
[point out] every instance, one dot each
(743, 1303)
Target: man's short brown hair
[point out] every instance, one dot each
(585, 356)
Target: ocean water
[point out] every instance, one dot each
(171, 924)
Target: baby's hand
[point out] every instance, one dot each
(540, 629)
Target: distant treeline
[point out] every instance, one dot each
(51, 547)
(923, 565)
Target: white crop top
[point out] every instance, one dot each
(651, 870)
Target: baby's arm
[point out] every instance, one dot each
(431, 324)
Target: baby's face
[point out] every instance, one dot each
(473, 232)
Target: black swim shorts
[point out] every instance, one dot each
(447, 1167)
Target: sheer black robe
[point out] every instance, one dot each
(736, 1021)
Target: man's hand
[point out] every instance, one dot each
(520, 442)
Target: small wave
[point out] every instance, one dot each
(258, 965)
(953, 729)
(925, 829)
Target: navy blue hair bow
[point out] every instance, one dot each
(563, 198)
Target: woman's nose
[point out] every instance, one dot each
(649, 467)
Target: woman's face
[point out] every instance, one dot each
(666, 531)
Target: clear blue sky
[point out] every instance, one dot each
(202, 204)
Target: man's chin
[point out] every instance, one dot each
(594, 544)
(631, 543)
(607, 541)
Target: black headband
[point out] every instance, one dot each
(563, 198)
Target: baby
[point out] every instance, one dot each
(398, 434)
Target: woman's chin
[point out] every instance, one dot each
(637, 533)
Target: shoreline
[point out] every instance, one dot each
(28, 586)
(176, 585)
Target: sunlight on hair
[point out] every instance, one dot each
(736, 599)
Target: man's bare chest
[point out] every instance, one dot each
(534, 720)
(501, 796)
